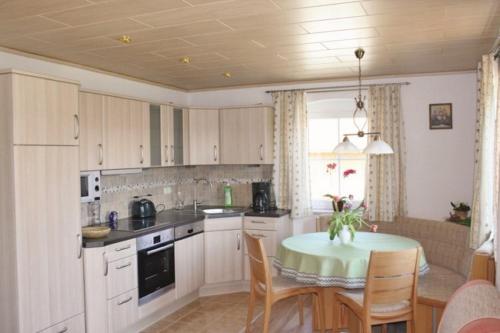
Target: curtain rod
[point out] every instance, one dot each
(340, 88)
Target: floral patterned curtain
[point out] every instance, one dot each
(385, 193)
(486, 172)
(291, 153)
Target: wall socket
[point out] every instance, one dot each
(167, 190)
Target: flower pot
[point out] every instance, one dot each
(345, 235)
(461, 214)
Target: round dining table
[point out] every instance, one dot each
(316, 260)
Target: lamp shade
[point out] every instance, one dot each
(346, 146)
(378, 147)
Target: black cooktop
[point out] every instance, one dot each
(136, 224)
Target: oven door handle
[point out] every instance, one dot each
(159, 249)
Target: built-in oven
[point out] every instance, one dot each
(156, 264)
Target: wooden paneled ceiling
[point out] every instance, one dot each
(257, 41)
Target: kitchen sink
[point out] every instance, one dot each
(218, 211)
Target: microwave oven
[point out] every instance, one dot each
(90, 186)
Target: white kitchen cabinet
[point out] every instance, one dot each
(223, 250)
(91, 131)
(246, 135)
(126, 133)
(111, 297)
(203, 138)
(272, 231)
(122, 311)
(75, 324)
(41, 277)
(45, 110)
(189, 265)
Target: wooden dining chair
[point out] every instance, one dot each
(390, 294)
(274, 289)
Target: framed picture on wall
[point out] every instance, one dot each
(440, 116)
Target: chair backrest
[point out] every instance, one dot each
(478, 302)
(259, 267)
(392, 278)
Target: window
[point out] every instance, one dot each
(328, 121)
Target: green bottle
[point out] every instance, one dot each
(228, 195)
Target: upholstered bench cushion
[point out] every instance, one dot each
(438, 285)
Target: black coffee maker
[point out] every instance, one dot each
(261, 193)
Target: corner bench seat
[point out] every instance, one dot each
(437, 285)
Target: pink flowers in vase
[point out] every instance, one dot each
(349, 172)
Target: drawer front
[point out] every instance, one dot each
(122, 311)
(226, 223)
(261, 223)
(122, 276)
(121, 250)
(268, 238)
(75, 324)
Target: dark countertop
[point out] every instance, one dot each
(170, 219)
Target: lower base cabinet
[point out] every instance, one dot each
(75, 324)
(189, 265)
(223, 255)
(111, 294)
(122, 311)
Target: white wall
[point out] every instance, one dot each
(91, 80)
(440, 162)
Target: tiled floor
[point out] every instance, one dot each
(227, 314)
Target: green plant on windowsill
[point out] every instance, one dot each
(351, 219)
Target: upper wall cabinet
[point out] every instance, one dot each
(45, 111)
(91, 136)
(204, 145)
(126, 133)
(115, 133)
(246, 135)
(168, 131)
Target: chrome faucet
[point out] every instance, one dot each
(196, 181)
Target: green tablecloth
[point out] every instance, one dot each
(314, 259)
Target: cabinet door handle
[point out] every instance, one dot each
(166, 153)
(238, 241)
(261, 152)
(101, 154)
(77, 126)
(79, 242)
(124, 266)
(141, 147)
(65, 329)
(118, 249)
(172, 157)
(259, 235)
(258, 222)
(215, 153)
(125, 301)
(106, 265)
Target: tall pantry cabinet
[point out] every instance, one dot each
(41, 278)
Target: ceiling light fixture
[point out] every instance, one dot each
(185, 60)
(377, 146)
(227, 75)
(125, 39)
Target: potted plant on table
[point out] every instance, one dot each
(460, 210)
(345, 223)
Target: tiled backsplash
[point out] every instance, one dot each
(167, 185)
